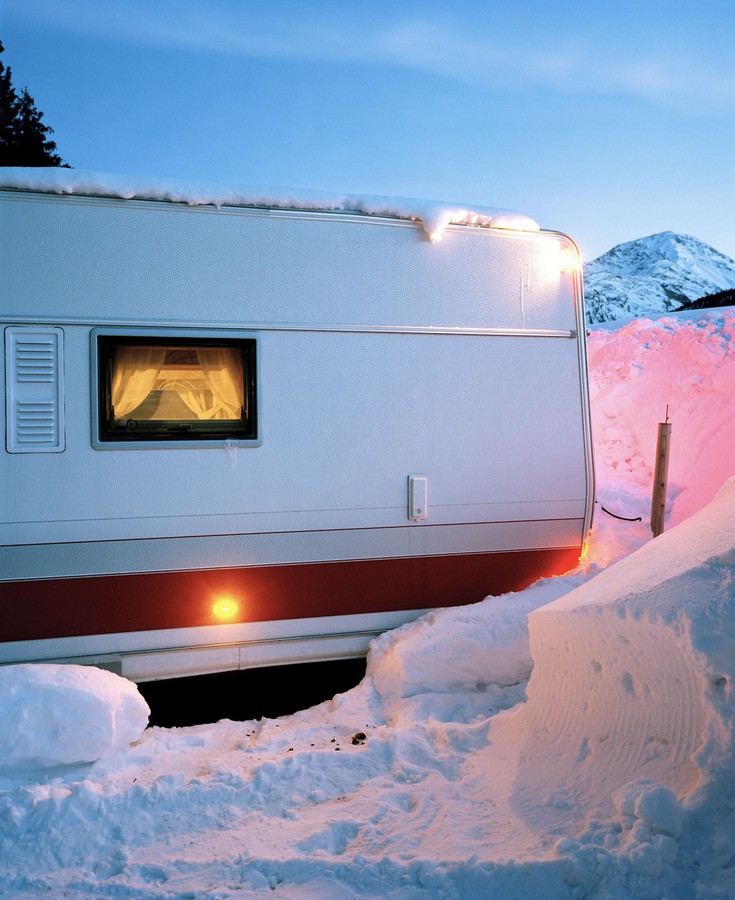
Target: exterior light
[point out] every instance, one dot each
(554, 259)
(566, 259)
(225, 609)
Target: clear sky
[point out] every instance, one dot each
(607, 120)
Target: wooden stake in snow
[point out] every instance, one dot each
(661, 475)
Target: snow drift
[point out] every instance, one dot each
(632, 688)
(55, 715)
(685, 363)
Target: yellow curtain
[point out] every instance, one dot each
(135, 370)
(222, 368)
(194, 399)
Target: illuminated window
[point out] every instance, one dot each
(176, 389)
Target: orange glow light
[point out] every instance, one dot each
(226, 608)
(555, 259)
(566, 259)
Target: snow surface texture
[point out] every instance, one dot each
(448, 772)
(653, 275)
(687, 363)
(628, 723)
(54, 715)
(434, 215)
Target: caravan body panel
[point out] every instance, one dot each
(383, 367)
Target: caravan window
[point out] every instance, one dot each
(180, 388)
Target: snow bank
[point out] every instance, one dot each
(434, 215)
(628, 726)
(55, 715)
(686, 362)
(489, 642)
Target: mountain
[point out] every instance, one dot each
(712, 301)
(654, 275)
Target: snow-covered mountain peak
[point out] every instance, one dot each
(654, 275)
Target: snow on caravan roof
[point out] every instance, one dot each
(434, 215)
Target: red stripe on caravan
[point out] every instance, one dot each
(107, 604)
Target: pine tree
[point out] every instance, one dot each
(9, 108)
(24, 138)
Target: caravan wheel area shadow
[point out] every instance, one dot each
(248, 694)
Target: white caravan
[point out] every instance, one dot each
(251, 434)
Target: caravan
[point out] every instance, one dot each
(256, 430)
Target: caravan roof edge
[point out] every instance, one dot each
(434, 215)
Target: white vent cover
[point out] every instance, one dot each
(34, 390)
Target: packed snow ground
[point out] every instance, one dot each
(572, 740)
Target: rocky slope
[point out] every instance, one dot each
(654, 275)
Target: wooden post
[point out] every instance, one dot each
(660, 478)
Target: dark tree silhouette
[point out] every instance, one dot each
(24, 139)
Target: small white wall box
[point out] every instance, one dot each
(417, 496)
(211, 416)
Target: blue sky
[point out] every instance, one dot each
(608, 121)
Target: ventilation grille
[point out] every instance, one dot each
(35, 360)
(34, 379)
(36, 422)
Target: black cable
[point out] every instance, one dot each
(622, 518)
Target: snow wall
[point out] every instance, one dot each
(629, 717)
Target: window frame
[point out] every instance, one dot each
(101, 338)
